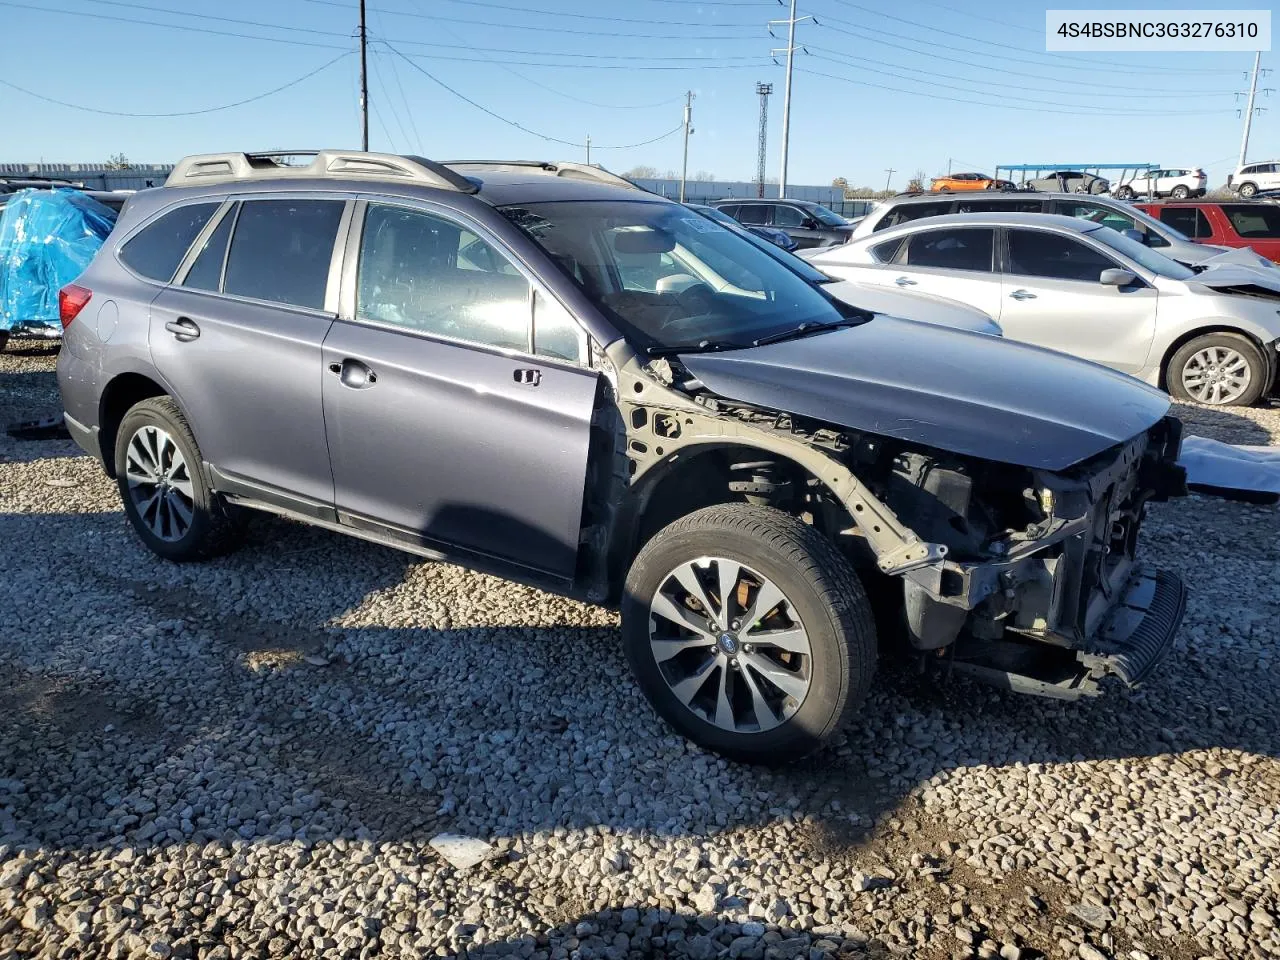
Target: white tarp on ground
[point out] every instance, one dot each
(1211, 463)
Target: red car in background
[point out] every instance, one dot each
(1241, 223)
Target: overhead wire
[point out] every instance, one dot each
(933, 95)
(179, 113)
(490, 4)
(389, 100)
(513, 123)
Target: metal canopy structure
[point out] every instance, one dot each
(1128, 171)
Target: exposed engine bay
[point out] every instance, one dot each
(1024, 576)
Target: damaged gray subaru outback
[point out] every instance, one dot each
(540, 371)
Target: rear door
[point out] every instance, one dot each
(952, 262)
(1188, 219)
(1052, 297)
(238, 336)
(450, 418)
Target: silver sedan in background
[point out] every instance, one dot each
(1081, 288)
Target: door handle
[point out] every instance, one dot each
(354, 374)
(1023, 295)
(527, 376)
(184, 329)
(905, 282)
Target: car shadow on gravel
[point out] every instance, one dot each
(1223, 423)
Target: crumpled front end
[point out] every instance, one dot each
(1053, 606)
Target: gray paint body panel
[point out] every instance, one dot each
(962, 392)
(446, 444)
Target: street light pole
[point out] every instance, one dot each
(890, 171)
(1248, 111)
(688, 117)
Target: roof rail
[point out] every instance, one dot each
(559, 168)
(355, 165)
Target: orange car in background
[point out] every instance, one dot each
(969, 181)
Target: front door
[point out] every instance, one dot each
(952, 262)
(443, 422)
(238, 340)
(1052, 297)
(798, 225)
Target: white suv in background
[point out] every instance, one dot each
(1252, 178)
(1179, 183)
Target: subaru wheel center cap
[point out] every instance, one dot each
(729, 643)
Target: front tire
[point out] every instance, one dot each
(772, 674)
(1125, 193)
(1218, 369)
(163, 488)
(1248, 190)
(1180, 192)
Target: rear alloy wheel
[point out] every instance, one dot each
(1125, 193)
(748, 632)
(163, 488)
(1218, 369)
(1248, 190)
(1180, 192)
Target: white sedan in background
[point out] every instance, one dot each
(1085, 289)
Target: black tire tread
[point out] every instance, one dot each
(821, 564)
(224, 530)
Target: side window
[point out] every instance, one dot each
(1096, 213)
(1034, 253)
(1258, 221)
(281, 249)
(787, 217)
(206, 272)
(431, 275)
(555, 334)
(995, 205)
(1188, 220)
(756, 214)
(885, 252)
(914, 211)
(156, 252)
(731, 209)
(966, 248)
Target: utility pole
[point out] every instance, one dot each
(364, 82)
(688, 119)
(890, 171)
(764, 90)
(1248, 111)
(791, 22)
(588, 149)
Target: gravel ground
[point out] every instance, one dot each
(249, 758)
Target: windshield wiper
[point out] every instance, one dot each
(803, 329)
(703, 346)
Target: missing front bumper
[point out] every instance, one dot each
(1133, 638)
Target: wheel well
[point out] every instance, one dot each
(117, 399)
(1186, 338)
(723, 473)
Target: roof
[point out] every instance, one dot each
(938, 196)
(501, 188)
(1074, 224)
(1047, 167)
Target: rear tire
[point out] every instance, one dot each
(163, 487)
(721, 693)
(1125, 193)
(1180, 192)
(1248, 190)
(1218, 369)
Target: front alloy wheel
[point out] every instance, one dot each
(1218, 369)
(748, 632)
(730, 645)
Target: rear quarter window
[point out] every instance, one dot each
(885, 252)
(1254, 221)
(159, 247)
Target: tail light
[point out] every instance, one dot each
(71, 300)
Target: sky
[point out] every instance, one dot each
(908, 85)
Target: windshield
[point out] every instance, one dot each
(672, 278)
(1157, 263)
(821, 213)
(784, 257)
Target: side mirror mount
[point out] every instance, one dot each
(1135, 235)
(1115, 277)
(810, 223)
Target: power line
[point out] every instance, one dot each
(512, 123)
(391, 105)
(81, 14)
(179, 113)
(648, 22)
(980, 103)
(408, 107)
(1092, 68)
(857, 64)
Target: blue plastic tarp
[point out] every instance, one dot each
(47, 238)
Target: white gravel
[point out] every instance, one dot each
(249, 758)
